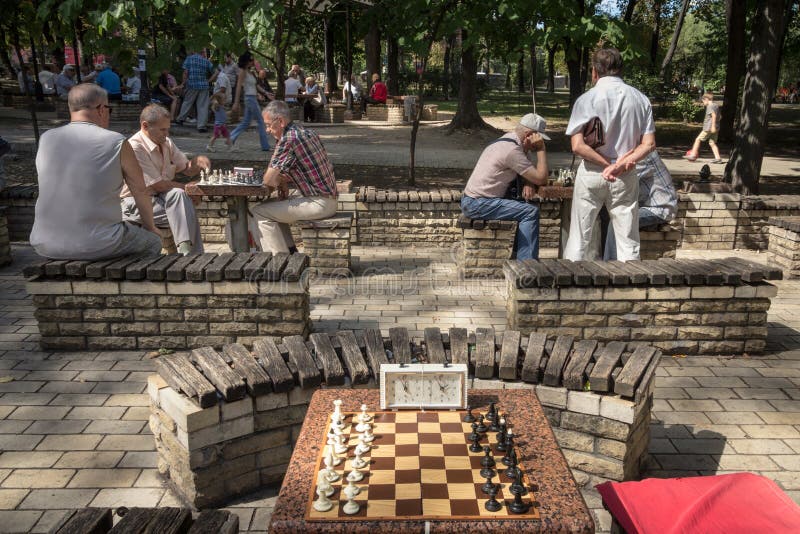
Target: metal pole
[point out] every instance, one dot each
(349, 61)
(144, 91)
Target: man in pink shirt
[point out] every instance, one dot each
(160, 160)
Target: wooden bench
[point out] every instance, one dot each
(138, 520)
(485, 246)
(327, 243)
(784, 244)
(659, 241)
(225, 422)
(174, 301)
(5, 244)
(679, 306)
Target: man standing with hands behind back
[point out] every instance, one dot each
(607, 175)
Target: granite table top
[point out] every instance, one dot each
(561, 507)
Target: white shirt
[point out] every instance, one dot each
(356, 90)
(134, 85)
(626, 115)
(293, 87)
(223, 81)
(46, 78)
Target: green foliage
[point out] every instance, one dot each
(685, 107)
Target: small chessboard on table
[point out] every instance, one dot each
(420, 467)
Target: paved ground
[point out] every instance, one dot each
(73, 425)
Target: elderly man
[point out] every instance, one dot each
(64, 81)
(500, 164)
(160, 160)
(198, 72)
(108, 80)
(607, 176)
(299, 160)
(82, 168)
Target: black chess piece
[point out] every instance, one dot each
(517, 506)
(491, 415)
(475, 447)
(481, 426)
(518, 487)
(469, 418)
(474, 435)
(487, 462)
(489, 486)
(493, 505)
(509, 444)
(513, 471)
(503, 428)
(495, 424)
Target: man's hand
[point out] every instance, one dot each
(283, 190)
(235, 107)
(156, 231)
(528, 192)
(202, 162)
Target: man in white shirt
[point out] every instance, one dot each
(47, 79)
(607, 174)
(293, 87)
(133, 85)
(160, 160)
(65, 81)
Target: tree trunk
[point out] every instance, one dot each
(533, 76)
(657, 7)
(673, 44)
(585, 67)
(629, 11)
(330, 65)
(29, 96)
(467, 116)
(280, 58)
(573, 56)
(392, 62)
(372, 49)
(76, 50)
(508, 76)
(735, 13)
(786, 24)
(448, 52)
(744, 166)
(521, 72)
(551, 70)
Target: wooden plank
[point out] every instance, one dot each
(563, 276)
(181, 375)
(256, 379)
(641, 389)
(254, 269)
(459, 348)
(195, 271)
(376, 353)
(617, 276)
(544, 277)
(215, 270)
(580, 276)
(233, 271)
(636, 276)
(675, 276)
(509, 355)
(557, 361)
(575, 371)
(326, 354)
(308, 376)
(116, 270)
(484, 353)
(731, 275)
(273, 270)
(531, 365)
(631, 374)
(651, 276)
(176, 271)
(151, 520)
(600, 276)
(607, 359)
(401, 345)
(695, 274)
(85, 521)
(516, 271)
(688, 278)
(76, 268)
(295, 267)
(353, 359)
(266, 352)
(657, 276)
(97, 269)
(138, 270)
(55, 268)
(216, 369)
(215, 522)
(35, 269)
(434, 345)
(157, 272)
(714, 276)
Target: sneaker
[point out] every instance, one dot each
(716, 161)
(268, 149)
(235, 148)
(202, 130)
(191, 121)
(177, 123)
(690, 157)
(210, 148)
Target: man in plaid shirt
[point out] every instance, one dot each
(299, 161)
(197, 73)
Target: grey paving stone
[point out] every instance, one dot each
(794, 444)
(788, 480)
(170, 499)
(784, 371)
(747, 462)
(119, 387)
(13, 442)
(658, 430)
(682, 405)
(57, 427)
(18, 520)
(746, 405)
(676, 382)
(774, 383)
(51, 375)
(786, 405)
(79, 399)
(713, 431)
(700, 446)
(688, 462)
(760, 393)
(38, 478)
(67, 387)
(760, 446)
(734, 418)
(720, 381)
(70, 442)
(39, 412)
(104, 478)
(137, 365)
(126, 399)
(771, 431)
(20, 385)
(5, 410)
(10, 498)
(711, 393)
(670, 393)
(98, 412)
(89, 365)
(789, 462)
(57, 499)
(735, 371)
(147, 459)
(127, 443)
(105, 376)
(780, 418)
(113, 498)
(149, 478)
(40, 365)
(137, 413)
(49, 520)
(15, 460)
(119, 355)
(138, 376)
(115, 427)
(89, 459)
(14, 426)
(26, 399)
(661, 445)
(689, 371)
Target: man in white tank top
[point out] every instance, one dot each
(81, 168)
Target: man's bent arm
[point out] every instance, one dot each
(629, 160)
(581, 149)
(132, 174)
(538, 175)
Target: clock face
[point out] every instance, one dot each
(423, 386)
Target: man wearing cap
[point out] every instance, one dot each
(64, 81)
(607, 174)
(499, 165)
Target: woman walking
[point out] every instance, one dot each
(246, 82)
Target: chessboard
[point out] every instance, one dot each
(420, 467)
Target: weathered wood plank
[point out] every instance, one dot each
(353, 359)
(214, 367)
(177, 271)
(731, 275)
(580, 276)
(606, 361)
(641, 389)
(459, 348)
(434, 345)
(215, 269)
(695, 275)
(295, 267)
(273, 270)
(401, 345)
(116, 270)
(138, 269)
(532, 364)
(308, 376)
(636, 276)
(55, 268)
(631, 374)
(76, 268)
(150, 520)
(215, 522)
(656, 276)
(157, 271)
(195, 272)
(376, 353)
(331, 366)
(509, 355)
(575, 371)
(233, 271)
(86, 521)
(97, 269)
(35, 269)
(484, 353)
(563, 276)
(600, 276)
(675, 276)
(181, 375)
(557, 361)
(256, 379)
(522, 277)
(266, 352)
(254, 269)
(617, 276)
(544, 277)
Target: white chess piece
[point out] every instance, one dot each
(362, 427)
(350, 491)
(322, 482)
(358, 462)
(364, 417)
(330, 474)
(340, 447)
(355, 476)
(323, 503)
(336, 416)
(363, 447)
(367, 436)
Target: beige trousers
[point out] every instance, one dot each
(274, 218)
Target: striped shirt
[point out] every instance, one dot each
(299, 154)
(656, 190)
(200, 70)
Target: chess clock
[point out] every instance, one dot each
(423, 385)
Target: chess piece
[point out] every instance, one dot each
(474, 435)
(481, 426)
(517, 506)
(323, 503)
(363, 426)
(351, 506)
(475, 447)
(363, 447)
(513, 471)
(469, 418)
(340, 447)
(509, 448)
(491, 415)
(489, 485)
(367, 436)
(330, 474)
(364, 417)
(337, 417)
(355, 476)
(517, 487)
(358, 462)
(501, 435)
(322, 482)
(493, 505)
(495, 424)
(487, 462)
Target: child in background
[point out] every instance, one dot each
(710, 131)
(220, 120)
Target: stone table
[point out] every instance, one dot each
(565, 195)
(236, 198)
(561, 506)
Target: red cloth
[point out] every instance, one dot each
(379, 92)
(729, 504)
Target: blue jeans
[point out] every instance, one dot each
(646, 218)
(526, 245)
(252, 111)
